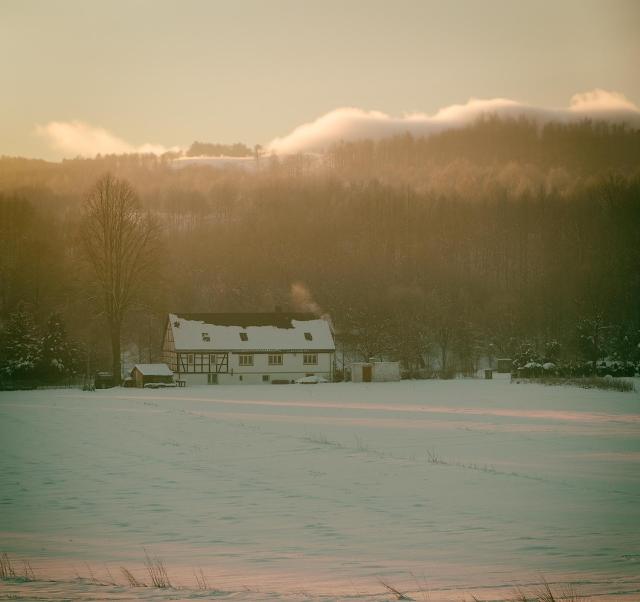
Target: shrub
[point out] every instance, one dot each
(593, 382)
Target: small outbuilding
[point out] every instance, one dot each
(103, 380)
(367, 372)
(144, 374)
(505, 365)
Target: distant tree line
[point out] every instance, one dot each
(208, 149)
(503, 239)
(492, 152)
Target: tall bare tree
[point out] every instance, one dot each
(121, 243)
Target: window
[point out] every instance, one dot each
(190, 358)
(310, 359)
(205, 337)
(275, 359)
(212, 379)
(308, 336)
(265, 378)
(244, 336)
(245, 359)
(212, 359)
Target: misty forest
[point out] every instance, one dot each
(504, 238)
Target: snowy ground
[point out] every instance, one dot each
(316, 492)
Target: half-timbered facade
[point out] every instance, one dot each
(240, 348)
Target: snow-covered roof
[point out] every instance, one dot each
(251, 332)
(154, 369)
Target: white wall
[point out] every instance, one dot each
(386, 371)
(380, 371)
(291, 369)
(356, 372)
(192, 379)
(292, 364)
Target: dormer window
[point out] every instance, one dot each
(308, 336)
(244, 336)
(205, 337)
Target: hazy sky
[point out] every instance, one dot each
(168, 73)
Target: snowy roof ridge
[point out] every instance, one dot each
(278, 319)
(249, 332)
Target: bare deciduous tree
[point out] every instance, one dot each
(121, 243)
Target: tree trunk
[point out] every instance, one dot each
(115, 352)
(444, 350)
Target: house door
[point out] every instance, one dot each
(366, 374)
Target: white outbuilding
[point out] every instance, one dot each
(366, 372)
(248, 348)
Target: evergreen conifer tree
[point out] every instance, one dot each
(21, 345)
(58, 353)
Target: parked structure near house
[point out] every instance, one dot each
(248, 348)
(144, 374)
(103, 380)
(505, 365)
(367, 372)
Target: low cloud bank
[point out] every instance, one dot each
(349, 124)
(76, 138)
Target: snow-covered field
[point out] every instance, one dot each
(317, 492)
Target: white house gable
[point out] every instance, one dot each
(248, 348)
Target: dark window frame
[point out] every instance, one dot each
(273, 356)
(306, 357)
(245, 359)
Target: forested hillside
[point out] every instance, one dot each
(497, 239)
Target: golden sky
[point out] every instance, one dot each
(154, 72)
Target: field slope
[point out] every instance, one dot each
(298, 492)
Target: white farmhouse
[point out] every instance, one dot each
(245, 348)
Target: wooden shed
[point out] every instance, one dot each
(151, 373)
